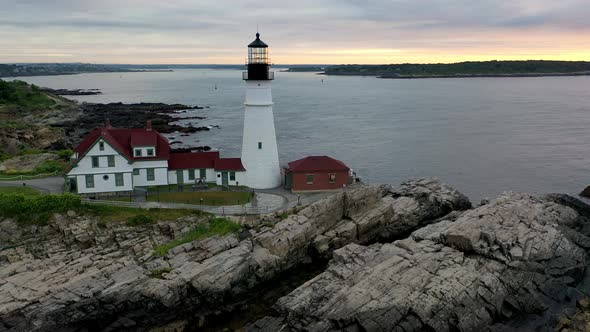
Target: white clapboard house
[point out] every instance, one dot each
(113, 160)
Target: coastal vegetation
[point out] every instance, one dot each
(470, 68)
(27, 206)
(20, 97)
(215, 226)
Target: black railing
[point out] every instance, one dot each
(271, 75)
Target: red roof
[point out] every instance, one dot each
(318, 164)
(190, 160)
(146, 138)
(229, 164)
(121, 140)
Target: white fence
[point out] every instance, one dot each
(26, 177)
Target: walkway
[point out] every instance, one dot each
(53, 185)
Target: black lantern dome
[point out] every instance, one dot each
(258, 62)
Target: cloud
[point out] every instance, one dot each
(102, 31)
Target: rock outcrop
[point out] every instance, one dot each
(482, 269)
(78, 272)
(26, 163)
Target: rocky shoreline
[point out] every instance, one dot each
(411, 257)
(129, 116)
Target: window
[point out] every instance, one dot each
(232, 176)
(138, 152)
(191, 174)
(105, 177)
(111, 161)
(309, 178)
(332, 178)
(259, 145)
(95, 162)
(89, 181)
(202, 173)
(101, 146)
(136, 171)
(150, 174)
(150, 152)
(119, 180)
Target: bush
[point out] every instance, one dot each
(36, 208)
(140, 219)
(65, 154)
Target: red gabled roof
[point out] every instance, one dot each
(318, 164)
(190, 160)
(121, 140)
(229, 164)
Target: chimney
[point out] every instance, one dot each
(109, 124)
(149, 125)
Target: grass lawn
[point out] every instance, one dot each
(209, 197)
(23, 190)
(121, 214)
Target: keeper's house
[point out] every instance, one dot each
(113, 160)
(316, 173)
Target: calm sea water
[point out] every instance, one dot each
(481, 135)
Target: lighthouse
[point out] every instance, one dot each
(260, 154)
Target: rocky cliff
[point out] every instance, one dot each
(79, 273)
(512, 264)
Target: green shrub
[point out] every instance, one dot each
(140, 219)
(36, 208)
(65, 154)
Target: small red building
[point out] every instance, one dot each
(316, 173)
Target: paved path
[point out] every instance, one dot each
(54, 184)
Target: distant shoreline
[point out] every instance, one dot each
(409, 77)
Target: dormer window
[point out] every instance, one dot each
(101, 146)
(137, 152)
(150, 152)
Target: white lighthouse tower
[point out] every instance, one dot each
(260, 154)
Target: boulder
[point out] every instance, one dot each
(483, 269)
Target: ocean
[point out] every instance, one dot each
(481, 135)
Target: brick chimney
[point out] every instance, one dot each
(149, 125)
(109, 124)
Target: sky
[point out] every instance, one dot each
(298, 31)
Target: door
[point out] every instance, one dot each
(224, 179)
(179, 178)
(288, 180)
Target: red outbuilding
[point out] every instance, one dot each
(316, 173)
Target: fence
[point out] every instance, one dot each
(26, 177)
(221, 210)
(236, 210)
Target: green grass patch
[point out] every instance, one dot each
(215, 226)
(203, 197)
(159, 272)
(22, 190)
(108, 213)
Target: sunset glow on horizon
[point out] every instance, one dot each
(309, 32)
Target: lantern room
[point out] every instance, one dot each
(258, 61)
